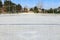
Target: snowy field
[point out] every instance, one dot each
(30, 27)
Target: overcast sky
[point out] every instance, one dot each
(45, 3)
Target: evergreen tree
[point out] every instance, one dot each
(18, 8)
(10, 6)
(0, 4)
(25, 9)
(31, 9)
(36, 10)
(50, 10)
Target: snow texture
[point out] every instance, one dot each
(29, 27)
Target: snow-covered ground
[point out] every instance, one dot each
(30, 27)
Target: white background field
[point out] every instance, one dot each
(30, 27)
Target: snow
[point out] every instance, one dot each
(29, 27)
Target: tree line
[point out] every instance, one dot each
(10, 7)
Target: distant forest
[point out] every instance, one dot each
(10, 7)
